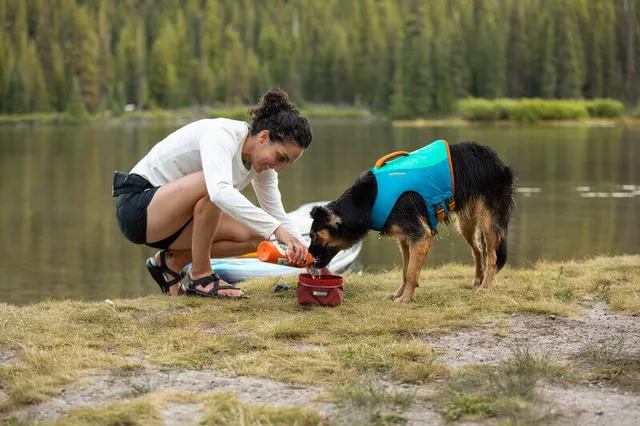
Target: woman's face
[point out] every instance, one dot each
(274, 155)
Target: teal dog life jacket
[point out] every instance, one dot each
(427, 171)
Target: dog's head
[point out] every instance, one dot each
(326, 239)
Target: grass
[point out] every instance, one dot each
(506, 391)
(370, 402)
(239, 112)
(611, 362)
(59, 342)
(215, 409)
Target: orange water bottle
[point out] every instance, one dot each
(276, 253)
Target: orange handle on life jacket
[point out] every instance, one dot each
(387, 157)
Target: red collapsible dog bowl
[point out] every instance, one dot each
(325, 290)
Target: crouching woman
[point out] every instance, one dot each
(183, 197)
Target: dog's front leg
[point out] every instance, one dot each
(404, 248)
(418, 251)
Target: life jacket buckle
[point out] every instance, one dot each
(439, 208)
(451, 203)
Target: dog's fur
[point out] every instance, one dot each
(484, 194)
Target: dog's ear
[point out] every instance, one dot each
(320, 213)
(326, 216)
(334, 220)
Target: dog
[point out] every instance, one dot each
(480, 199)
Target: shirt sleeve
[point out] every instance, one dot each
(217, 150)
(266, 188)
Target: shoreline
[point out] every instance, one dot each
(239, 113)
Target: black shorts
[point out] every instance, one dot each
(131, 211)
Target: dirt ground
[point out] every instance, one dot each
(559, 338)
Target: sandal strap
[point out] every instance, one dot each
(204, 281)
(177, 277)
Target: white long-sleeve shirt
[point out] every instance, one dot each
(214, 146)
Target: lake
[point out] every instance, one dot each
(578, 196)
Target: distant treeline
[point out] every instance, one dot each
(407, 58)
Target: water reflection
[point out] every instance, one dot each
(578, 195)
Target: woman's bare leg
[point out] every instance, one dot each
(235, 239)
(210, 228)
(172, 205)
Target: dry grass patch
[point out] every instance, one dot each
(368, 334)
(612, 363)
(216, 409)
(370, 402)
(505, 392)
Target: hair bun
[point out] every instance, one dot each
(281, 118)
(272, 102)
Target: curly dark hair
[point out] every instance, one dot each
(281, 118)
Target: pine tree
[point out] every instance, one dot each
(131, 57)
(17, 101)
(211, 33)
(398, 107)
(20, 29)
(76, 107)
(183, 61)
(60, 87)
(105, 56)
(341, 67)
(38, 95)
(393, 34)
(163, 76)
(417, 68)
(517, 61)
(458, 64)
(204, 82)
(87, 60)
(569, 59)
(548, 68)
(7, 59)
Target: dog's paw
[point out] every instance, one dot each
(482, 289)
(392, 296)
(477, 281)
(403, 299)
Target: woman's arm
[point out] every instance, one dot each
(217, 149)
(266, 188)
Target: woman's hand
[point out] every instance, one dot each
(297, 250)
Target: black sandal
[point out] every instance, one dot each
(158, 271)
(204, 281)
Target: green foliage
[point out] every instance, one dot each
(76, 107)
(406, 59)
(608, 108)
(478, 109)
(533, 110)
(17, 101)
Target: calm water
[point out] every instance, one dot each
(579, 196)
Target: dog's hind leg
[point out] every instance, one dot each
(404, 248)
(467, 228)
(418, 251)
(491, 240)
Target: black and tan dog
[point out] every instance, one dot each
(484, 198)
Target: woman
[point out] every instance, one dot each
(184, 196)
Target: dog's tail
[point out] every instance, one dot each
(507, 184)
(501, 253)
